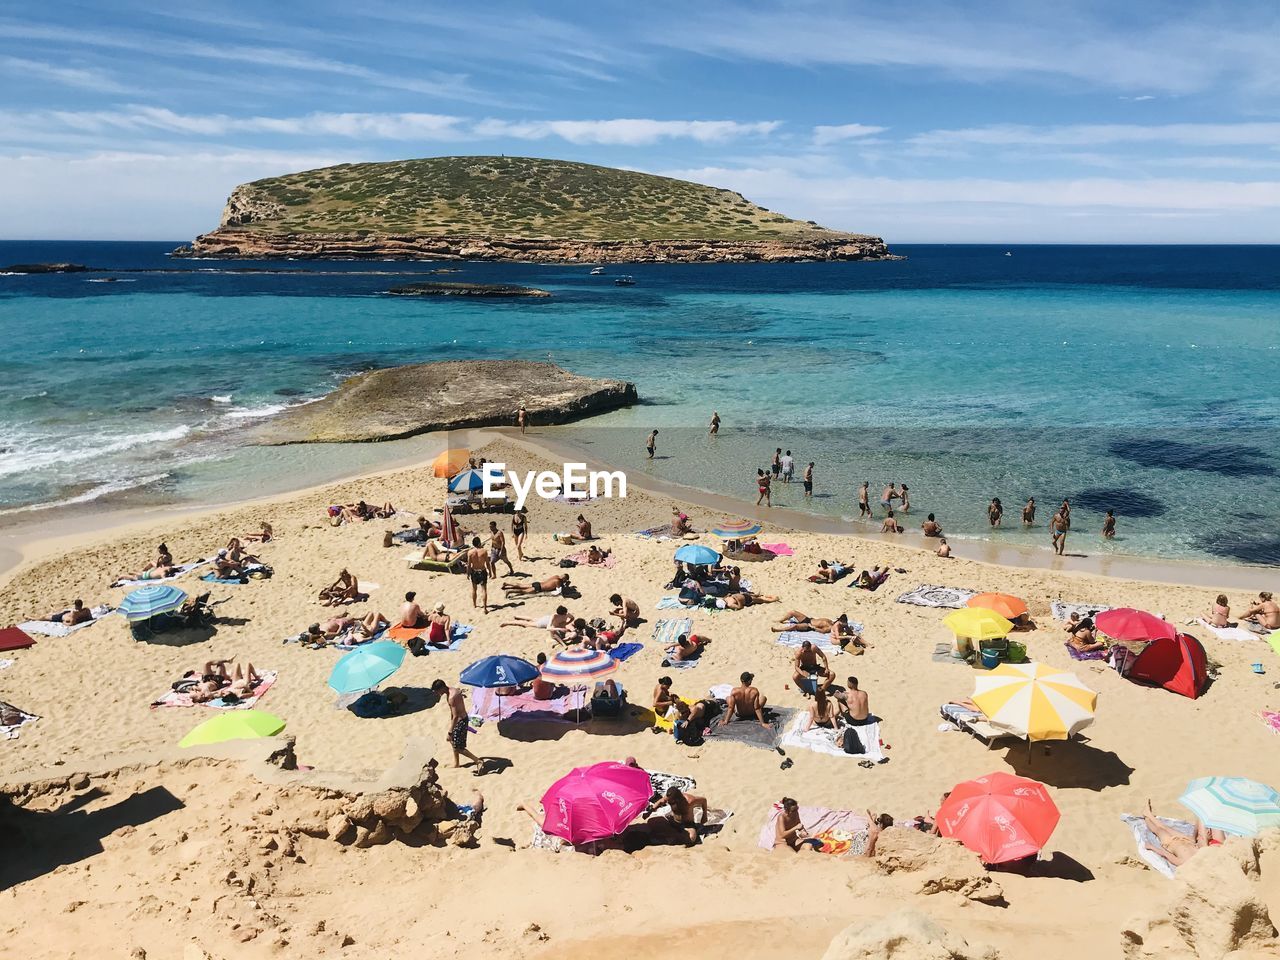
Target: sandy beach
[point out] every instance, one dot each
(173, 883)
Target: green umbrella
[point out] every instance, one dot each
(234, 725)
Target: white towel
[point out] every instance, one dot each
(1145, 840)
(183, 570)
(821, 740)
(1227, 633)
(1063, 611)
(928, 595)
(48, 628)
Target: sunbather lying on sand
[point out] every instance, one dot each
(263, 536)
(686, 647)
(838, 630)
(1177, 848)
(745, 598)
(216, 683)
(78, 613)
(159, 572)
(829, 572)
(439, 552)
(346, 589)
(597, 556)
(551, 585)
(365, 628)
(870, 579)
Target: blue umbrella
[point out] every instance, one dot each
(366, 666)
(499, 671)
(697, 554)
(1233, 804)
(468, 481)
(147, 602)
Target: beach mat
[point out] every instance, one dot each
(567, 708)
(666, 631)
(750, 733)
(656, 534)
(943, 598)
(821, 822)
(1271, 719)
(946, 653)
(47, 628)
(625, 651)
(661, 781)
(608, 563)
(1239, 634)
(794, 638)
(820, 740)
(669, 664)
(1063, 611)
(173, 698)
(15, 638)
(1083, 655)
(778, 549)
(183, 570)
(670, 603)
(10, 731)
(1147, 842)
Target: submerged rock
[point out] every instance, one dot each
(449, 395)
(45, 268)
(451, 289)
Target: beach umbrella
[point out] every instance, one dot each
(591, 803)
(978, 623)
(366, 666)
(999, 817)
(1009, 607)
(1233, 804)
(500, 671)
(1034, 700)
(233, 725)
(697, 554)
(450, 462)
(448, 528)
(151, 600)
(578, 664)
(1126, 623)
(735, 529)
(468, 481)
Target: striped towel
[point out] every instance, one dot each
(794, 638)
(670, 603)
(666, 631)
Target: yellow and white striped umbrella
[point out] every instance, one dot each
(1035, 701)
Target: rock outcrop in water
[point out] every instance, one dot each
(449, 289)
(448, 395)
(45, 268)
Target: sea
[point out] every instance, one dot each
(1138, 379)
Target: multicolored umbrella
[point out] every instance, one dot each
(448, 528)
(234, 725)
(578, 664)
(697, 554)
(502, 670)
(366, 666)
(150, 601)
(591, 803)
(450, 462)
(1009, 607)
(999, 817)
(1034, 700)
(1126, 623)
(735, 529)
(1233, 804)
(978, 623)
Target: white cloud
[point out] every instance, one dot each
(77, 77)
(824, 135)
(1101, 134)
(624, 132)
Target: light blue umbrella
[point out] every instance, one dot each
(366, 666)
(697, 554)
(152, 600)
(1233, 804)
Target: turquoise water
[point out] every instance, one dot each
(1139, 379)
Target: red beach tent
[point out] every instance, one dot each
(11, 638)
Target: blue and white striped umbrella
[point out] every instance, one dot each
(470, 481)
(1233, 804)
(152, 600)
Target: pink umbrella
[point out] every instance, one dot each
(448, 528)
(1129, 624)
(591, 803)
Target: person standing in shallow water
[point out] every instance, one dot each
(715, 423)
(762, 484)
(995, 510)
(1058, 529)
(808, 480)
(864, 500)
(777, 463)
(1029, 512)
(1109, 526)
(652, 443)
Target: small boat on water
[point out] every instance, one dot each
(625, 282)
(597, 271)
(1008, 254)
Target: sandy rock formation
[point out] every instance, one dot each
(1215, 908)
(903, 935)
(942, 866)
(449, 395)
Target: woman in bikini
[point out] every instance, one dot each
(762, 484)
(519, 530)
(1175, 847)
(791, 833)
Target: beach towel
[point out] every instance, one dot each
(173, 698)
(1063, 611)
(567, 708)
(9, 731)
(1226, 633)
(844, 830)
(821, 740)
(608, 563)
(625, 651)
(1147, 842)
(670, 603)
(457, 633)
(794, 638)
(1085, 655)
(947, 653)
(48, 628)
(1270, 717)
(716, 819)
(669, 664)
(927, 595)
(666, 631)
(15, 638)
(656, 534)
(183, 570)
(661, 781)
(668, 723)
(750, 733)
(778, 549)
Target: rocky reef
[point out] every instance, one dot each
(449, 289)
(448, 395)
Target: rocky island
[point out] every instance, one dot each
(453, 289)
(511, 209)
(448, 395)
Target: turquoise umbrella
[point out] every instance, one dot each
(1233, 804)
(697, 554)
(366, 666)
(150, 601)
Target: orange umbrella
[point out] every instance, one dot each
(1011, 608)
(450, 463)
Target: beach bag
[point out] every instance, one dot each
(850, 742)
(567, 562)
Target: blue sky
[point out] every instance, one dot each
(1145, 121)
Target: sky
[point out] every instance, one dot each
(1150, 121)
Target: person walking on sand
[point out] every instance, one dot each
(762, 483)
(652, 443)
(1029, 512)
(478, 571)
(457, 735)
(1109, 526)
(715, 423)
(864, 500)
(522, 418)
(520, 530)
(808, 480)
(498, 551)
(1058, 530)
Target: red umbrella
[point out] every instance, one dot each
(1129, 624)
(999, 817)
(448, 528)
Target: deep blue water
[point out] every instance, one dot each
(1139, 379)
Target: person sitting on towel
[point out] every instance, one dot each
(1263, 615)
(812, 667)
(411, 615)
(856, 704)
(745, 702)
(682, 813)
(663, 698)
(1082, 635)
(542, 689)
(823, 712)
